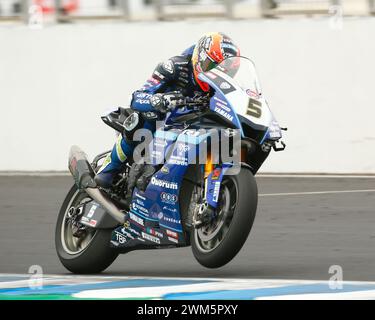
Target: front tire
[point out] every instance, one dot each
(215, 249)
(91, 255)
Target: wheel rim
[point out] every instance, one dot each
(208, 238)
(73, 245)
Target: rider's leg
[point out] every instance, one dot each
(113, 162)
(112, 165)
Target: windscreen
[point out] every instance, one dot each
(242, 71)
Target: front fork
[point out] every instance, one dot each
(206, 210)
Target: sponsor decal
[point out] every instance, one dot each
(143, 95)
(225, 85)
(172, 234)
(136, 219)
(92, 211)
(182, 148)
(216, 174)
(183, 80)
(126, 233)
(171, 220)
(222, 106)
(180, 63)
(164, 184)
(121, 239)
(224, 113)
(179, 157)
(168, 66)
(93, 223)
(139, 196)
(150, 238)
(142, 101)
(215, 196)
(179, 161)
(159, 75)
(164, 170)
(140, 208)
(174, 210)
(173, 239)
(167, 219)
(154, 232)
(220, 100)
(168, 197)
(134, 231)
(252, 93)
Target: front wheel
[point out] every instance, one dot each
(216, 244)
(85, 251)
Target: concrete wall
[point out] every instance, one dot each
(56, 82)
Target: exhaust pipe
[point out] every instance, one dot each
(83, 175)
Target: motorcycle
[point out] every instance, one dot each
(176, 202)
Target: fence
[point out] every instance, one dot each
(71, 10)
(310, 7)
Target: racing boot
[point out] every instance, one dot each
(112, 164)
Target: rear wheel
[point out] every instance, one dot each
(90, 251)
(217, 243)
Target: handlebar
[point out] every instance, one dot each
(200, 101)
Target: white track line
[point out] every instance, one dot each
(353, 295)
(314, 192)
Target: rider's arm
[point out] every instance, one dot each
(162, 77)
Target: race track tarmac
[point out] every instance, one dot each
(295, 236)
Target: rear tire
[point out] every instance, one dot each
(95, 257)
(239, 227)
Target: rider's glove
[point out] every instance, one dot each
(165, 102)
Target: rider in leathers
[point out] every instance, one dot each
(171, 80)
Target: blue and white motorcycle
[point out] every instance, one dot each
(175, 199)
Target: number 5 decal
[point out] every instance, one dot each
(254, 108)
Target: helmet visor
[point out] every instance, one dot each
(207, 64)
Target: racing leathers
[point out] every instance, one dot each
(171, 76)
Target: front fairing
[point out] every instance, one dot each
(238, 95)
